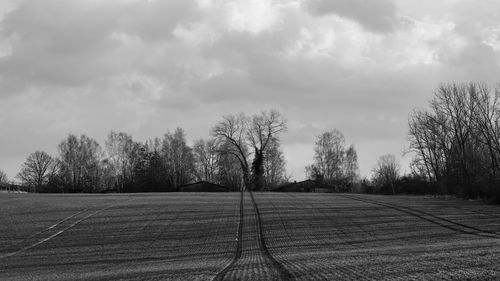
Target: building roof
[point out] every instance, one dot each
(203, 186)
(305, 185)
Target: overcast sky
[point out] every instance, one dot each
(146, 67)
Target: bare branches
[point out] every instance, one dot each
(333, 164)
(229, 134)
(457, 141)
(35, 171)
(236, 133)
(386, 171)
(266, 127)
(206, 160)
(3, 177)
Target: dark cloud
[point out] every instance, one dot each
(70, 43)
(476, 61)
(378, 16)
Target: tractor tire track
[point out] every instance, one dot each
(15, 244)
(455, 226)
(58, 231)
(283, 273)
(237, 255)
(252, 260)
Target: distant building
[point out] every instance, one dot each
(10, 187)
(203, 186)
(305, 186)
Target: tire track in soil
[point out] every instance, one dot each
(283, 273)
(248, 261)
(239, 237)
(15, 244)
(455, 226)
(62, 228)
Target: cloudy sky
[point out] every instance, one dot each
(146, 67)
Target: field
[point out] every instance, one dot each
(244, 236)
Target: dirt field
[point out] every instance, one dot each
(233, 236)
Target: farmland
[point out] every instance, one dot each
(234, 236)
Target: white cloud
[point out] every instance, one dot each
(425, 42)
(253, 16)
(491, 38)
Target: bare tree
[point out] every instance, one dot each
(206, 158)
(150, 171)
(230, 135)
(386, 172)
(3, 177)
(179, 158)
(120, 152)
(229, 170)
(329, 155)
(274, 166)
(263, 130)
(457, 140)
(351, 167)
(334, 164)
(486, 121)
(431, 141)
(80, 163)
(36, 170)
(238, 134)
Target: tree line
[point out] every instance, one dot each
(243, 152)
(455, 143)
(457, 140)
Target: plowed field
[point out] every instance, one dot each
(244, 236)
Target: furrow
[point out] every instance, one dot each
(58, 232)
(283, 273)
(33, 236)
(455, 226)
(237, 255)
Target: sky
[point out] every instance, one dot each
(147, 67)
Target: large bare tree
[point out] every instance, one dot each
(264, 129)
(230, 135)
(239, 134)
(35, 171)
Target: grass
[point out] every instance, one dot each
(226, 236)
